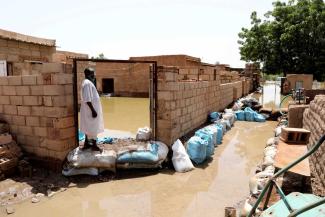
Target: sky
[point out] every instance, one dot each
(207, 29)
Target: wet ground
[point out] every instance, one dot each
(205, 191)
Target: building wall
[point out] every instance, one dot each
(314, 120)
(67, 57)
(39, 110)
(18, 53)
(307, 80)
(183, 105)
(171, 60)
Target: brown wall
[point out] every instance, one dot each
(307, 80)
(314, 120)
(172, 60)
(39, 110)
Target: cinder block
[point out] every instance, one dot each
(37, 90)
(4, 80)
(6, 118)
(32, 100)
(56, 112)
(48, 101)
(25, 130)
(61, 78)
(14, 80)
(63, 122)
(16, 100)
(10, 109)
(53, 90)
(58, 145)
(19, 120)
(24, 110)
(37, 111)
(40, 131)
(22, 90)
(59, 101)
(29, 80)
(33, 121)
(4, 100)
(52, 68)
(9, 90)
(68, 89)
(32, 141)
(46, 122)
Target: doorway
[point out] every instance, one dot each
(108, 85)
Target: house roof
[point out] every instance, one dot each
(4, 34)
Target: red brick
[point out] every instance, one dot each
(16, 100)
(33, 121)
(9, 90)
(10, 109)
(23, 90)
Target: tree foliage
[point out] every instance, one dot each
(100, 56)
(291, 38)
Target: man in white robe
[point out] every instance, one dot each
(91, 115)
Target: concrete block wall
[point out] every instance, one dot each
(230, 92)
(314, 120)
(39, 110)
(183, 105)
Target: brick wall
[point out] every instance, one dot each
(314, 120)
(17, 52)
(230, 92)
(39, 110)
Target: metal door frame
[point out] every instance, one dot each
(152, 90)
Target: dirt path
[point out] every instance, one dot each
(203, 192)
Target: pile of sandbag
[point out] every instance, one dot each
(10, 152)
(116, 154)
(249, 114)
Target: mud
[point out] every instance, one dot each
(205, 191)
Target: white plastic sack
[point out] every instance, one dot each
(230, 117)
(180, 159)
(143, 134)
(268, 161)
(272, 141)
(258, 181)
(80, 171)
(162, 150)
(270, 151)
(87, 158)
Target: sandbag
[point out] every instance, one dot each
(105, 140)
(268, 161)
(81, 136)
(249, 114)
(162, 150)
(272, 141)
(259, 117)
(223, 126)
(180, 159)
(143, 134)
(138, 165)
(208, 136)
(230, 117)
(228, 125)
(140, 156)
(80, 171)
(240, 115)
(87, 158)
(219, 133)
(270, 151)
(197, 149)
(213, 116)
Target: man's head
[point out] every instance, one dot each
(90, 74)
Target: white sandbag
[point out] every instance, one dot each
(180, 159)
(229, 111)
(270, 151)
(278, 130)
(258, 181)
(143, 134)
(80, 171)
(230, 117)
(162, 150)
(272, 141)
(268, 161)
(87, 158)
(269, 169)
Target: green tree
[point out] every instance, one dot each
(100, 56)
(291, 38)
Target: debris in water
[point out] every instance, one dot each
(10, 210)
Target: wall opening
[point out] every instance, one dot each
(108, 85)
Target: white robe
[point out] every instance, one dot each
(89, 125)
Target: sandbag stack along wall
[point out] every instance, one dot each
(314, 120)
(184, 105)
(39, 110)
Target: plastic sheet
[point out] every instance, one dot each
(208, 136)
(197, 149)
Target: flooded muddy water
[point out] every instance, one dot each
(205, 191)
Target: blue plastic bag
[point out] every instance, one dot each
(259, 118)
(207, 136)
(105, 140)
(196, 149)
(81, 135)
(249, 114)
(240, 115)
(213, 116)
(147, 156)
